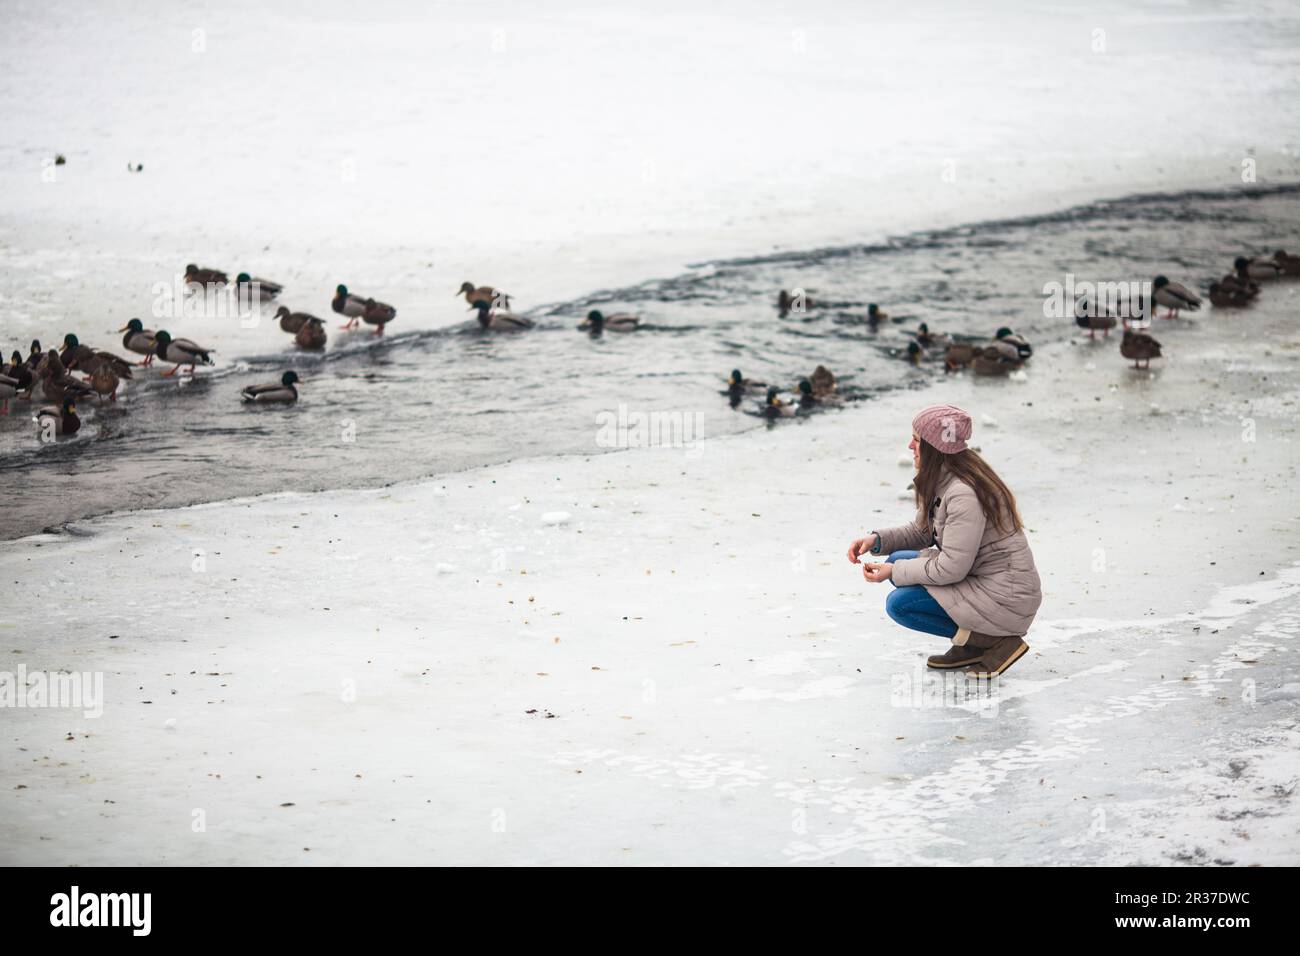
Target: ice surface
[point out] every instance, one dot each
(689, 670)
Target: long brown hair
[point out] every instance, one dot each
(995, 498)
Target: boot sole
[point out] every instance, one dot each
(1015, 656)
(954, 666)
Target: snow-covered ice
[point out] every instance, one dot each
(695, 677)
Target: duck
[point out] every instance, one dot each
(1289, 264)
(18, 371)
(345, 303)
(773, 407)
(105, 382)
(179, 351)
(500, 321)
(56, 383)
(9, 388)
(807, 399)
(930, 340)
(1173, 296)
(738, 386)
(597, 322)
(874, 315)
(358, 309)
(796, 301)
(1087, 316)
(914, 354)
(283, 393)
(193, 274)
(484, 293)
(1256, 268)
(59, 420)
(822, 382)
(378, 314)
(138, 339)
(1222, 297)
(266, 289)
(87, 360)
(291, 322)
(1234, 284)
(35, 355)
(1139, 347)
(1006, 336)
(737, 380)
(996, 359)
(959, 355)
(311, 335)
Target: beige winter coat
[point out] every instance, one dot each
(983, 577)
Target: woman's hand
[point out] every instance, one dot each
(861, 547)
(877, 572)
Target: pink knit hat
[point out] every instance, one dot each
(946, 427)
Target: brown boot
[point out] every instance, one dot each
(956, 656)
(996, 653)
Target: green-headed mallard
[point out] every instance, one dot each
(808, 400)
(311, 335)
(1139, 347)
(914, 354)
(1174, 296)
(773, 407)
(345, 303)
(874, 315)
(930, 340)
(738, 386)
(263, 289)
(86, 360)
(59, 419)
(1222, 297)
(35, 355)
(193, 274)
(359, 309)
(138, 339)
(1006, 336)
(597, 322)
(497, 321)
(484, 293)
(1289, 264)
(282, 393)
(180, 352)
(1256, 268)
(736, 380)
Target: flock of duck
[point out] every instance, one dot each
(1007, 351)
(103, 371)
(1004, 354)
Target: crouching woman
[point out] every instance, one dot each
(962, 569)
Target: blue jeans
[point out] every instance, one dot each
(912, 606)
